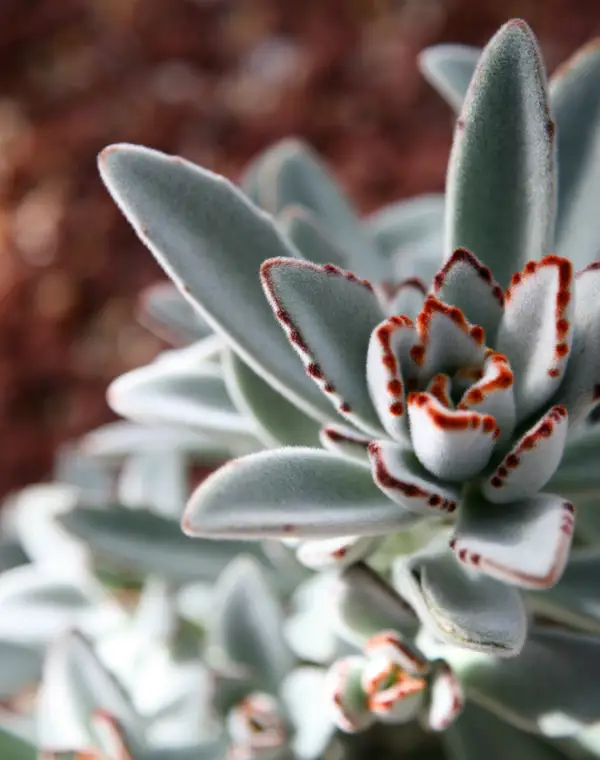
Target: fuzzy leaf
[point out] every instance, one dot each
(310, 238)
(164, 311)
(278, 422)
(150, 544)
(404, 480)
(117, 441)
(247, 624)
(575, 599)
(303, 693)
(477, 728)
(415, 223)
(464, 282)
(500, 188)
(551, 688)
(451, 444)
(364, 604)
(75, 679)
(525, 543)
(531, 462)
(290, 173)
(291, 493)
(536, 331)
(328, 315)
(172, 395)
(345, 441)
(207, 237)
(579, 389)
(460, 607)
(449, 70)
(576, 109)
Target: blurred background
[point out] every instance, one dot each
(215, 81)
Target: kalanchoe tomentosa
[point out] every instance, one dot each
(455, 397)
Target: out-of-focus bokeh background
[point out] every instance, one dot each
(216, 81)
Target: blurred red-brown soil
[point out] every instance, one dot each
(213, 80)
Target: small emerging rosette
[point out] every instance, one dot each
(392, 683)
(256, 728)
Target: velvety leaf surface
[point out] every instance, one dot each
(328, 315)
(195, 398)
(278, 422)
(75, 679)
(415, 223)
(525, 543)
(576, 110)
(364, 604)
(478, 732)
(248, 624)
(291, 493)
(148, 543)
(579, 390)
(207, 236)
(551, 688)
(536, 332)
(166, 312)
(575, 599)
(309, 236)
(291, 173)
(461, 607)
(500, 187)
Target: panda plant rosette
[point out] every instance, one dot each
(410, 403)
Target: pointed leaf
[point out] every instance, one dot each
(328, 315)
(294, 492)
(149, 543)
(447, 341)
(461, 607)
(500, 184)
(536, 331)
(525, 543)
(278, 422)
(531, 462)
(576, 109)
(551, 688)
(407, 297)
(464, 282)
(449, 69)
(205, 234)
(247, 624)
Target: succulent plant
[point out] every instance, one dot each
(377, 572)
